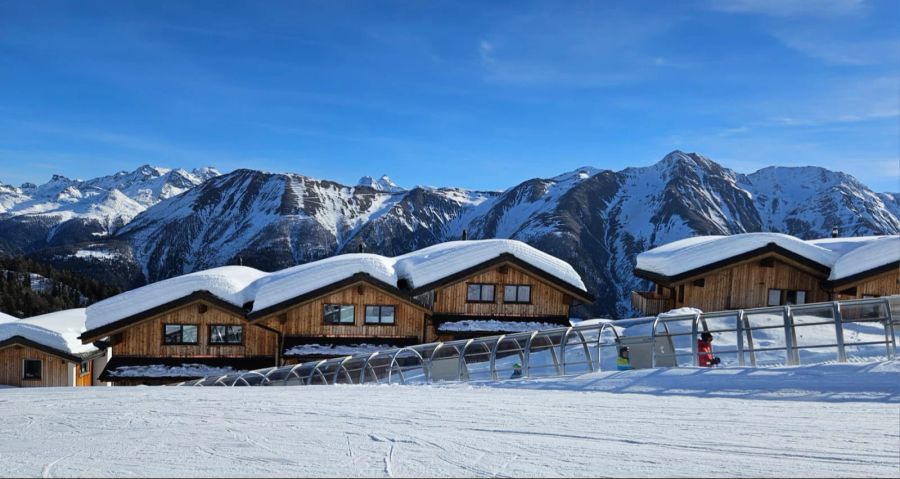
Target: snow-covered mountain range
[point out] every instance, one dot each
(155, 223)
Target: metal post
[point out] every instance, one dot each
(749, 330)
(839, 330)
(494, 357)
(652, 343)
(788, 319)
(695, 352)
(892, 339)
(526, 368)
(462, 361)
(562, 352)
(739, 329)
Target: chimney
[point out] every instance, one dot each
(835, 232)
(359, 248)
(465, 235)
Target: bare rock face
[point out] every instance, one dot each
(153, 223)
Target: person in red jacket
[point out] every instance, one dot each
(704, 350)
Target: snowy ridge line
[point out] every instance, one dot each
(241, 285)
(568, 350)
(844, 257)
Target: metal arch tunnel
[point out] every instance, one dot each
(579, 349)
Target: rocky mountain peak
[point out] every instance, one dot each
(381, 184)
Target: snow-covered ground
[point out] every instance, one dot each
(827, 420)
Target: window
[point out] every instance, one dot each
(780, 297)
(31, 369)
(339, 314)
(480, 293)
(379, 314)
(180, 334)
(774, 297)
(226, 334)
(85, 368)
(517, 293)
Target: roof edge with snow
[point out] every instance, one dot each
(23, 341)
(570, 288)
(255, 316)
(202, 295)
(771, 247)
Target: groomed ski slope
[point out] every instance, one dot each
(826, 420)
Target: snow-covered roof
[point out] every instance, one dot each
(239, 285)
(228, 283)
(870, 255)
(434, 263)
(492, 325)
(59, 330)
(844, 256)
(299, 280)
(5, 318)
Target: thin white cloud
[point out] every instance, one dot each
(790, 8)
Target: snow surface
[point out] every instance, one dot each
(59, 330)
(870, 255)
(430, 264)
(494, 325)
(298, 280)
(845, 256)
(228, 283)
(834, 420)
(336, 350)
(164, 371)
(692, 253)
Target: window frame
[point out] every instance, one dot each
(380, 314)
(40, 375)
(182, 342)
(783, 297)
(213, 343)
(341, 306)
(84, 368)
(517, 286)
(481, 286)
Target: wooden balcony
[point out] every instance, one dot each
(649, 303)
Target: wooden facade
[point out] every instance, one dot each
(877, 285)
(307, 319)
(145, 338)
(55, 371)
(746, 283)
(547, 300)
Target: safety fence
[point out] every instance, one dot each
(785, 335)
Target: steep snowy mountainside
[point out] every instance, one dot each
(597, 220)
(806, 201)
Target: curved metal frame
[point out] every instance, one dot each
(335, 370)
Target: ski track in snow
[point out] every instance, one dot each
(591, 425)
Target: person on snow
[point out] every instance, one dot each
(517, 371)
(704, 349)
(622, 362)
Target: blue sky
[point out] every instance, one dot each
(474, 94)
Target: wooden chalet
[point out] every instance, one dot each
(497, 296)
(349, 315)
(763, 269)
(43, 351)
(236, 318)
(183, 333)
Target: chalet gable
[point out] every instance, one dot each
(500, 263)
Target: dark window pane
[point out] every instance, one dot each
(235, 335)
(509, 294)
(173, 334)
(32, 369)
(774, 297)
(217, 334)
(372, 314)
(387, 315)
(524, 294)
(347, 314)
(487, 292)
(332, 313)
(474, 292)
(189, 333)
(84, 367)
